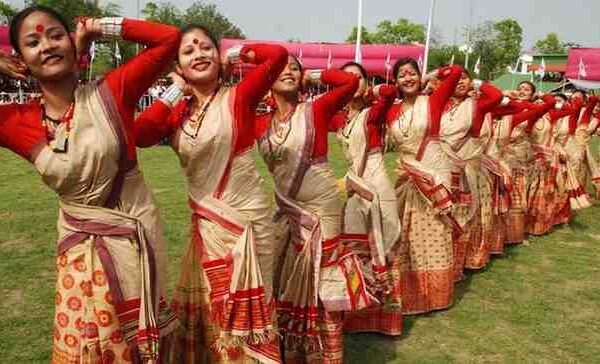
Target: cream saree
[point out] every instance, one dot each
(572, 194)
(224, 294)
(111, 254)
(318, 277)
(424, 257)
(371, 226)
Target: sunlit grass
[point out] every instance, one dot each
(539, 303)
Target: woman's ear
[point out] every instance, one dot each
(178, 69)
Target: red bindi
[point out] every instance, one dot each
(196, 41)
(39, 28)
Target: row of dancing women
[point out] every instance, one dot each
(476, 170)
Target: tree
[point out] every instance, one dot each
(164, 12)
(70, 9)
(6, 12)
(443, 55)
(550, 44)
(508, 39)
(401, 32)
(365, 36)
(498, 44)
(209, 16)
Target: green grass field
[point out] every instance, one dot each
(538, 304)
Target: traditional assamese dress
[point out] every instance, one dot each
(577, 147)
(370, 215)
(467, 130)
(424, 257)
(317, 276)
(506, 118)
(544, 193)
(110, 286)
(224, 295)
(571, 193)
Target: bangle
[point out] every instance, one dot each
(111, 27)
(172, 95)
(314, 75)
(234, 54)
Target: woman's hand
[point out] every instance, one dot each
(88, 30)
(12, 67)
(178, 80)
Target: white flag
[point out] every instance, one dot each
(476, 69)
(420, 63)
(542, 69)
(92, 52)
(582, 71)
(329, 60)
(118, 53)
(388, 61)
(452, 60)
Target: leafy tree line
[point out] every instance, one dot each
(497, 43)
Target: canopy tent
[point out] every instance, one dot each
(333, 55)
(583, 67)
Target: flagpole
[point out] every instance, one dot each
(357, 53)
(469, 34)
(428, 39)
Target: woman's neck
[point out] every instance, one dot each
(410, 99)
(58, 95)
(205, 91)
(285, 103)
(355, 105)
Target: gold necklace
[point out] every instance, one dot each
(199, 116)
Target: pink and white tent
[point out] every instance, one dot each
(583, 67)
(320, 55)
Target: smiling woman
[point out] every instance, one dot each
(224, 295)
(111, 255)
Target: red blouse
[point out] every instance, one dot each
(586, 116)
(375, 118)
(345, 85)
(571, 109)
(21, 126)
(160, 121)
(489, 99)
(534, 113)
(437, 100)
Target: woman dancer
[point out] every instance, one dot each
(424, 258)
(111, 253)
(518, 156)
(317, 276)
(571, 194)
(466, 131)
(507, 117)
(224, 294)
(547, 198)
(370, 216)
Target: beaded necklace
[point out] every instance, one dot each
(61, 140)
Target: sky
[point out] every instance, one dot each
(331, 20)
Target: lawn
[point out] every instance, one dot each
(539, 303)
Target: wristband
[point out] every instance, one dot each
(172, 95)
(111, 27)
(234, 54)
(314, 75)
